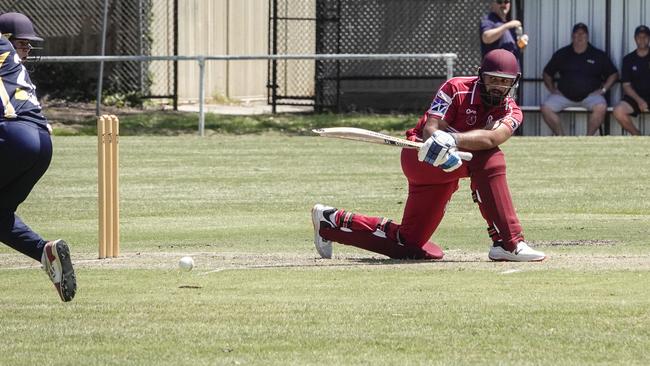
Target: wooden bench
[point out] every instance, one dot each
(536, 108)
(603, 129)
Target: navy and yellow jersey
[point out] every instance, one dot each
(17, 93)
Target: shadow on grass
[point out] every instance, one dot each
(390, 261)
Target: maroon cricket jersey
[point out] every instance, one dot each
(430, 188)
(458, 102)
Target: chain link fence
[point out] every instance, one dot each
(393, 26)
(74, 28)
(292, 31)
(371, 26)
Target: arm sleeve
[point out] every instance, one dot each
(486, 24)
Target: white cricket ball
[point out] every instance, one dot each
(186, 263)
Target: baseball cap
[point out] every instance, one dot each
(642, 29)
(579, 26)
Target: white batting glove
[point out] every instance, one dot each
(440, 151)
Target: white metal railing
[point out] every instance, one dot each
(450, 59)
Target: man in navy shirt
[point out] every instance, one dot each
(497, 32)
(25, 153)
(585, 75)
(635, 76)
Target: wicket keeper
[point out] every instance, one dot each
(25, 153)
(475, 114)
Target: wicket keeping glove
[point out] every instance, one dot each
(440, 151)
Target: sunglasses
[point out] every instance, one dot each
(500, 2)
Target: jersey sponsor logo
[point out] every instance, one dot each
(472, 116)
(591, 61)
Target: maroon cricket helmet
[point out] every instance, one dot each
(499, 63)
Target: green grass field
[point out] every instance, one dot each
(259, 294)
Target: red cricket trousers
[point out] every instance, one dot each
(429, 191)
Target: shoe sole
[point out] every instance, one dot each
(68, 286)
(316, 222)
(513, 260)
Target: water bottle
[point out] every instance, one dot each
(522, 39)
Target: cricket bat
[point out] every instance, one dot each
(360, 134)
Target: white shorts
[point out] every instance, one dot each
(558, 102)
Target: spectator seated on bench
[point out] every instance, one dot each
(585, 75)
(635, 76)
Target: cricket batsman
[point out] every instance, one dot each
(25, 153)
(475, 114)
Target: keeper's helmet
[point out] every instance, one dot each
(498, 76)
(18, 26)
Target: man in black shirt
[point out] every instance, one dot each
(635, 76)
(585, 75)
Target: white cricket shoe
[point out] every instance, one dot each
(320, 218)
(523, 253)
(58, 265)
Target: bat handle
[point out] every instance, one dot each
(467, 156)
